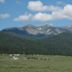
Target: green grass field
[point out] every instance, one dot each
(36, 63)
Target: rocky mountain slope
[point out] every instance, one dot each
(60, 44)
(36, 31)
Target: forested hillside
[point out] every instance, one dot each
(56, 45)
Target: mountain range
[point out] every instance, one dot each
(34, 31)
(37, 40)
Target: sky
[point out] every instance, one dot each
(17, 13)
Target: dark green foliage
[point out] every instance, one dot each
(56, 45)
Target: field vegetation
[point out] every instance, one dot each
(35, 63)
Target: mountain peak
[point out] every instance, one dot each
(46, 29)
(69, 27)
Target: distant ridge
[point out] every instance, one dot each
(35, 31)
(16, 40)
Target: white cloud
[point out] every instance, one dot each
(64, 13)
(42, 17)
(24, 17)
(4, 15)
(53, 8)
(58, 15)
(39, 6)
(2, 1)
(35, 5)
(55, 12)
(68, 10)
(48, 17)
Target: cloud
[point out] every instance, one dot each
(4, 15)
(61, 13)
(2, 1)
(65, 13)
(58, 15)
(53, 8)
(48, 17)
(45, 12)
(42, 17)
(32, 17)
(39, 6)
(35, 5)
(68, 10)
(24, 17)
(57, 12)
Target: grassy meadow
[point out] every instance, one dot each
(35, 63)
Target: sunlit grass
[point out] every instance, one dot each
(36, 63)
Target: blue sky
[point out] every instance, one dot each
(15, 13)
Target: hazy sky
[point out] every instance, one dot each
(36, 12)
